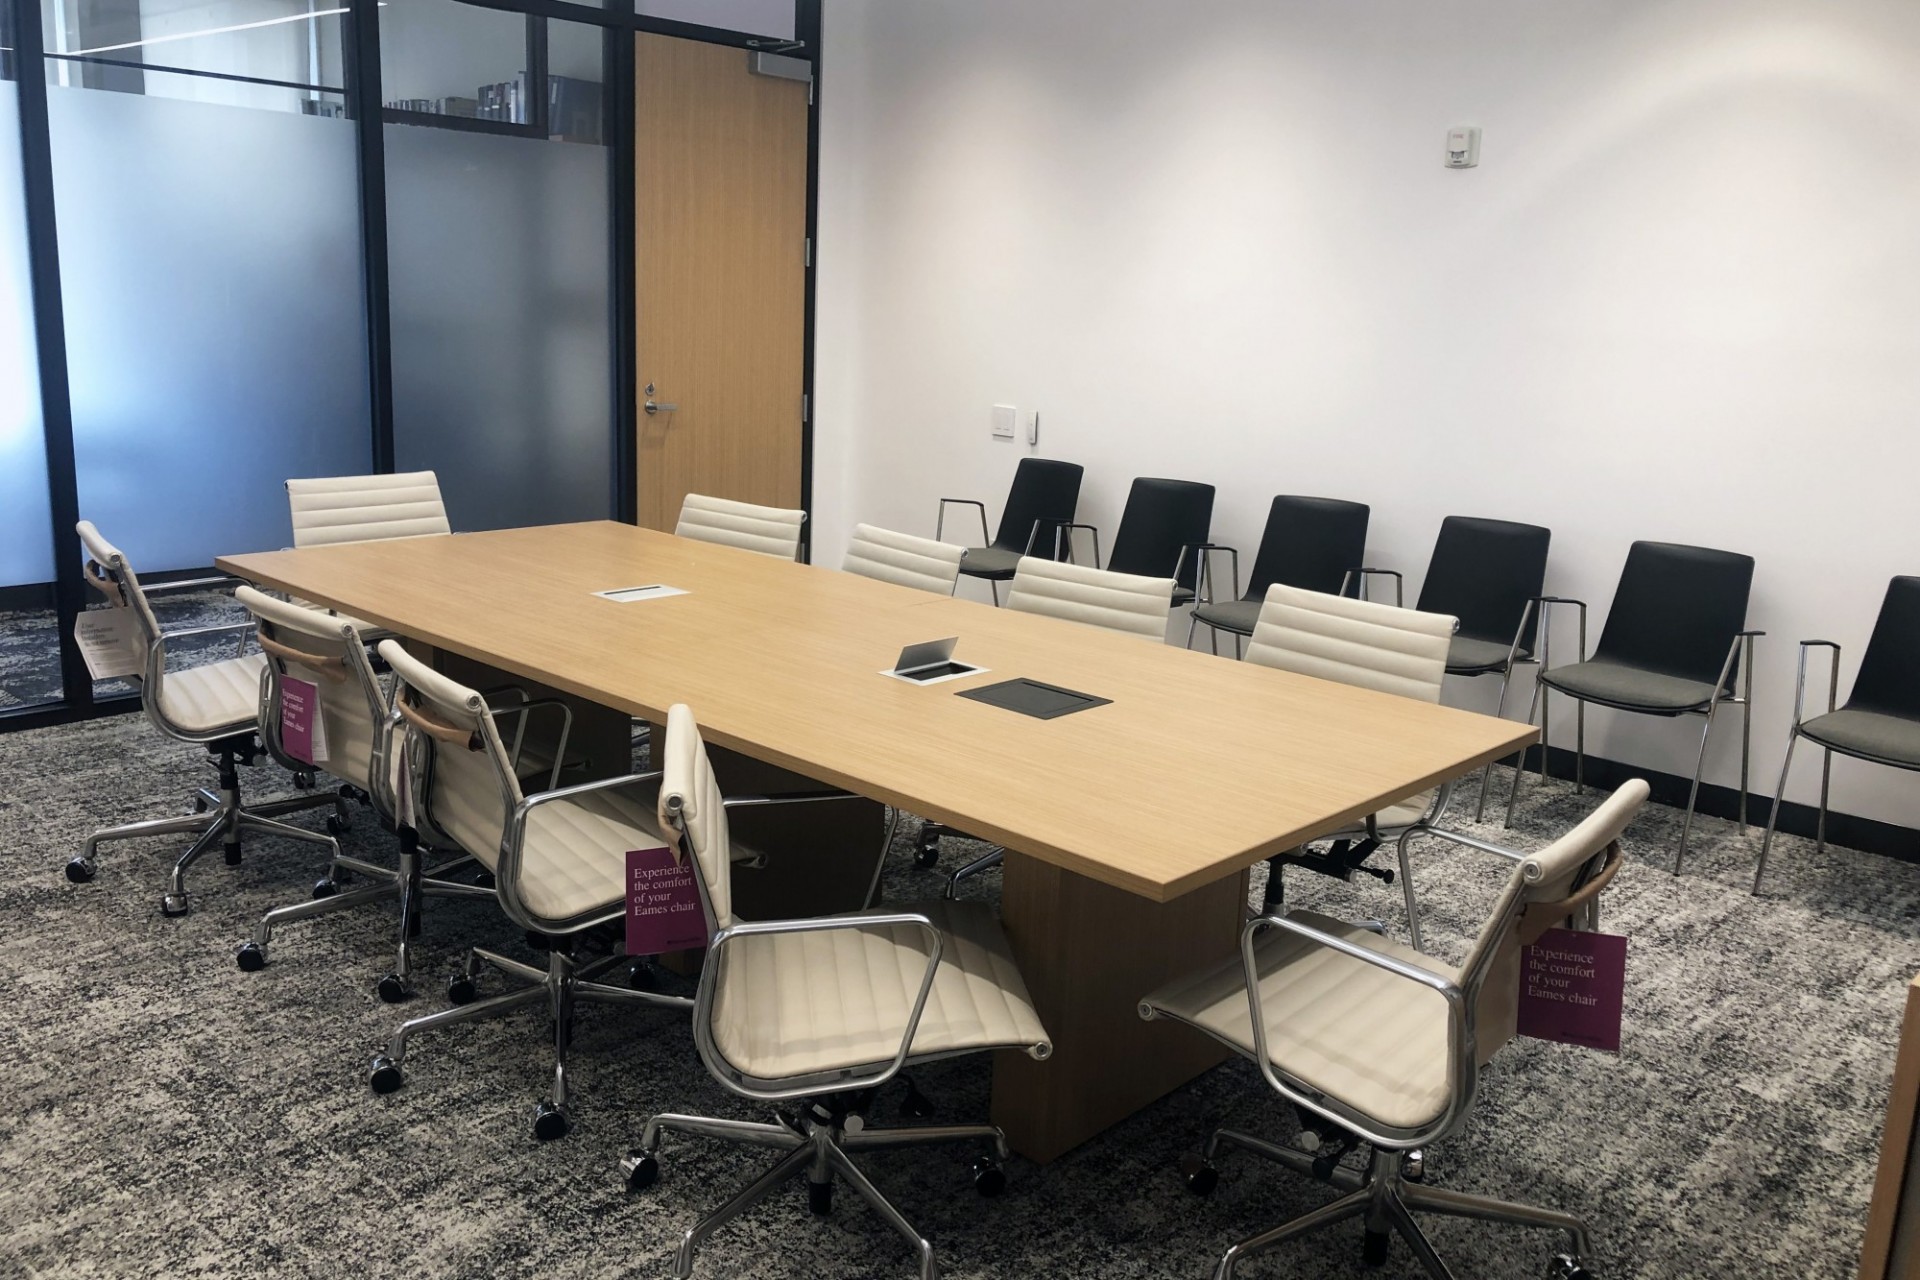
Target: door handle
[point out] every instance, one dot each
(653, 406)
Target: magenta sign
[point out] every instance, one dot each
(1573, 987)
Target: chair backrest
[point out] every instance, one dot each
(1161, 517)
(1309, 543)
(332, 509)
(467, 787)
(1120, 602)
(904, 560)
(1677, 610)
(771, 531)
(1484, 572)
(691, 803)
(1357, 642)
(1044, 492)
(326, 651)
(121, 585)
(1889, 679)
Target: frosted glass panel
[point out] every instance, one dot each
(26, 545)
(756, 17)
(500, 283)
(210, 264)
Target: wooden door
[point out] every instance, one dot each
(720, 184)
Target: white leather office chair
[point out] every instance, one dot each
(328, 652)
(332, 509)
(771, 531)
(822, 1012)
(214, 704)
(904, 560)
(1372, 646)
(1386, 1043)
(558, 860)
(1125, 603)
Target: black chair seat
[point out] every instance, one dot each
(996, 563)
(1237, 616)
(1614, 684)
(1467, 656)
(1873, 735)
(1182, 595)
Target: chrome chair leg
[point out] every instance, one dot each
(929, 1269)
(927, 1135)
(1486, 774)
(1773, 817)
(174, 902)
(1746, 750)
(1193, 623)
(1417, 1241)
(1579, 748)
(253, 955)
(1520, 761)
(791, 1167)
(1693, 792)
(1455, 1204)
(994, 586)
(750, 1133)
(1826, 787)
(1351, 1205)
(985, 862)
(1406, 887)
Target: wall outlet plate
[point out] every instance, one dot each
(1005, 419)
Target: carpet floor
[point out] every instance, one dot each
(168, 1115)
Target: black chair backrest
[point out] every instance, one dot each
(1483, 572)
(1889, 679)
(1309, 543)
(1045, 492)
(1161, 517)
(1677, 610)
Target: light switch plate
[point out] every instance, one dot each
(1005, 419)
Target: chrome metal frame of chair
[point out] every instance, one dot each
(218, 817)
(1739, 660)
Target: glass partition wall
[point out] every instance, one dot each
(246, 240)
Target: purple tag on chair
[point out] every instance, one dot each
(302, 733)
(1573, 987)
(663, 904)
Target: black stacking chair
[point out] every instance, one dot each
(1675, 644)
(1315, 544)
(1042, 501)
(1163, 533)
(1488, 573)
(1881, 721)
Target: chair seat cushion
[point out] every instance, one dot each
(215, 697)
(799, 1004)
(1615, 684)
(1182, 595)
(994, 563)
(1874, 734)
(1237, 616)
(1367, 1038)
(1467, 656)
(574, 857)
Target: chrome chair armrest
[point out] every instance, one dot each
(523, 709)
(1471, 842)
(190, 584)
(1203, 580)
(940, 520)
(1360, 576)
(244, 629)
(1546, 604)
(1460, 1067)
(789, 797)
(1063, 537)
(709, 984)
(1800, 678)
(532, 802)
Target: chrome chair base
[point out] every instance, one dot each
(1387, 1198)
(817, 1142)
(561, 985)
(219, 818)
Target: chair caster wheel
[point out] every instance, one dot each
(926, 854)
(251, 957)
(80, 870)
(337, 825)
(199, 804)
(642, 1170)
(1202, 1177)
(1566, 1267)
(550, 1122)
(303, 781)
(1414, 1168)
(325, 887)
(820, 1198)
(642, 977)
(385, 1075)
(1374, 1252)
(989, 1179)
(173, 905)
(392, 989)
(460, 989)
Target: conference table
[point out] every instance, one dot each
(1129, 826)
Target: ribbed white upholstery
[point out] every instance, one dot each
(215, 698)
(1120, 602)
(1356, 642)
(796, 1004)
(111, 558)
(348, 708)
(334, 509)
(771, 531)
(904, 560)
(1373, 1041)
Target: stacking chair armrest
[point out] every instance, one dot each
(1800, 678)
(710, 977)
(1545, 604)
(1203, 580)
(940, 521)
(1063, 529)
(1360, 575)
(1460, 1064)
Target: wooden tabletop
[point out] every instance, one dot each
(1199, 767)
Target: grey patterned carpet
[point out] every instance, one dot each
(168, 1115)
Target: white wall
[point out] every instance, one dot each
(1680, 298)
